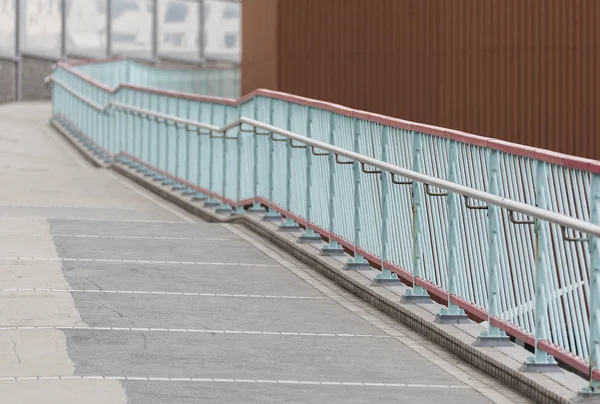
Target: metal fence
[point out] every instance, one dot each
(189, 31)
(502, 233)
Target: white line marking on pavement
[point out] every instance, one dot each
(33, 205)
(120, 236)
(161, 293)
(193, 330)
(136, 261)
(88, 219)
(221, 380)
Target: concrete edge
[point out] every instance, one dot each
(470, 354)
(85, 153)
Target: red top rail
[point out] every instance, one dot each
(565, 160)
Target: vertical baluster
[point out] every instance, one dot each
(594, 297)
(541, 361)
(493, 336)
(417, 294)
(453, 314)
(199, 196)
(332, 247)
(288, 224)
(239, 209)
(358, 261)
(385, 276)
(224, 207)
(188, 148)
(161, 139)
(272, 214)
(179, 131)
(143, 141)
(171, 133)
(211, 201)
(308, 235)
(256, 207)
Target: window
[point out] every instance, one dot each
(231, 40)
(231, 12)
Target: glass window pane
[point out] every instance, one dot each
(7, 27)
(132, 27)
(222, 22)
(42, 27)
(86, 27)
(179, 24)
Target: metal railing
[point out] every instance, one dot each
(222, 82)
(507, 234)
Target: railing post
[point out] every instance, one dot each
(417, 294)
(453, 314)
(357, 261)
(224, 207)
(162, 132)
(288, 224)
(385, 276)
(332, 247)
(308, 235)
(188, 147)
(594, 295)
(493, 336)
(211, 201)
(152, 138)
(199, 195)
(256, 207)
(239, 209)
(171, 132)
(178, 185)
(541, 361)
(272, 214)
(144, 133)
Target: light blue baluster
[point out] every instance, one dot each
(594, 296)
(179, 132)
(171, 134)
(272, 214)
(211, 201)
(188, 149)
(493, 336)
(385, 276)
(224, 207)
(308, 235)
(332, 247)
(199, 196)
(288, 224)
(256, 206)
(417, 294)
(453, 314)
(541, 361)
(239, 209)
(358, 261)
(162, 132)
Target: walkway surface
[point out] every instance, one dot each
(111, 295)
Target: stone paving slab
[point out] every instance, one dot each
(210, 279)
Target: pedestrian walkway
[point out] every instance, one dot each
(110, 295)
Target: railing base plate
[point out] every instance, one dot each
(271, 217)
(485, 341)
(310, 238)
(451, 319)
(357, 266)
(540, 368)
(416, 299)
(332, 251)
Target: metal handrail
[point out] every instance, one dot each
(499, 201)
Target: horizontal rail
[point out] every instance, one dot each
(502, 202)
(494, 144)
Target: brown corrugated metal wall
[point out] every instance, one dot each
(519, 70)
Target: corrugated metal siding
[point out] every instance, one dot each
(523, 71)
(259, 44)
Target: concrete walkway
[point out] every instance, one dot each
(111, 295)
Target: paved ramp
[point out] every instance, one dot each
(110, 295)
